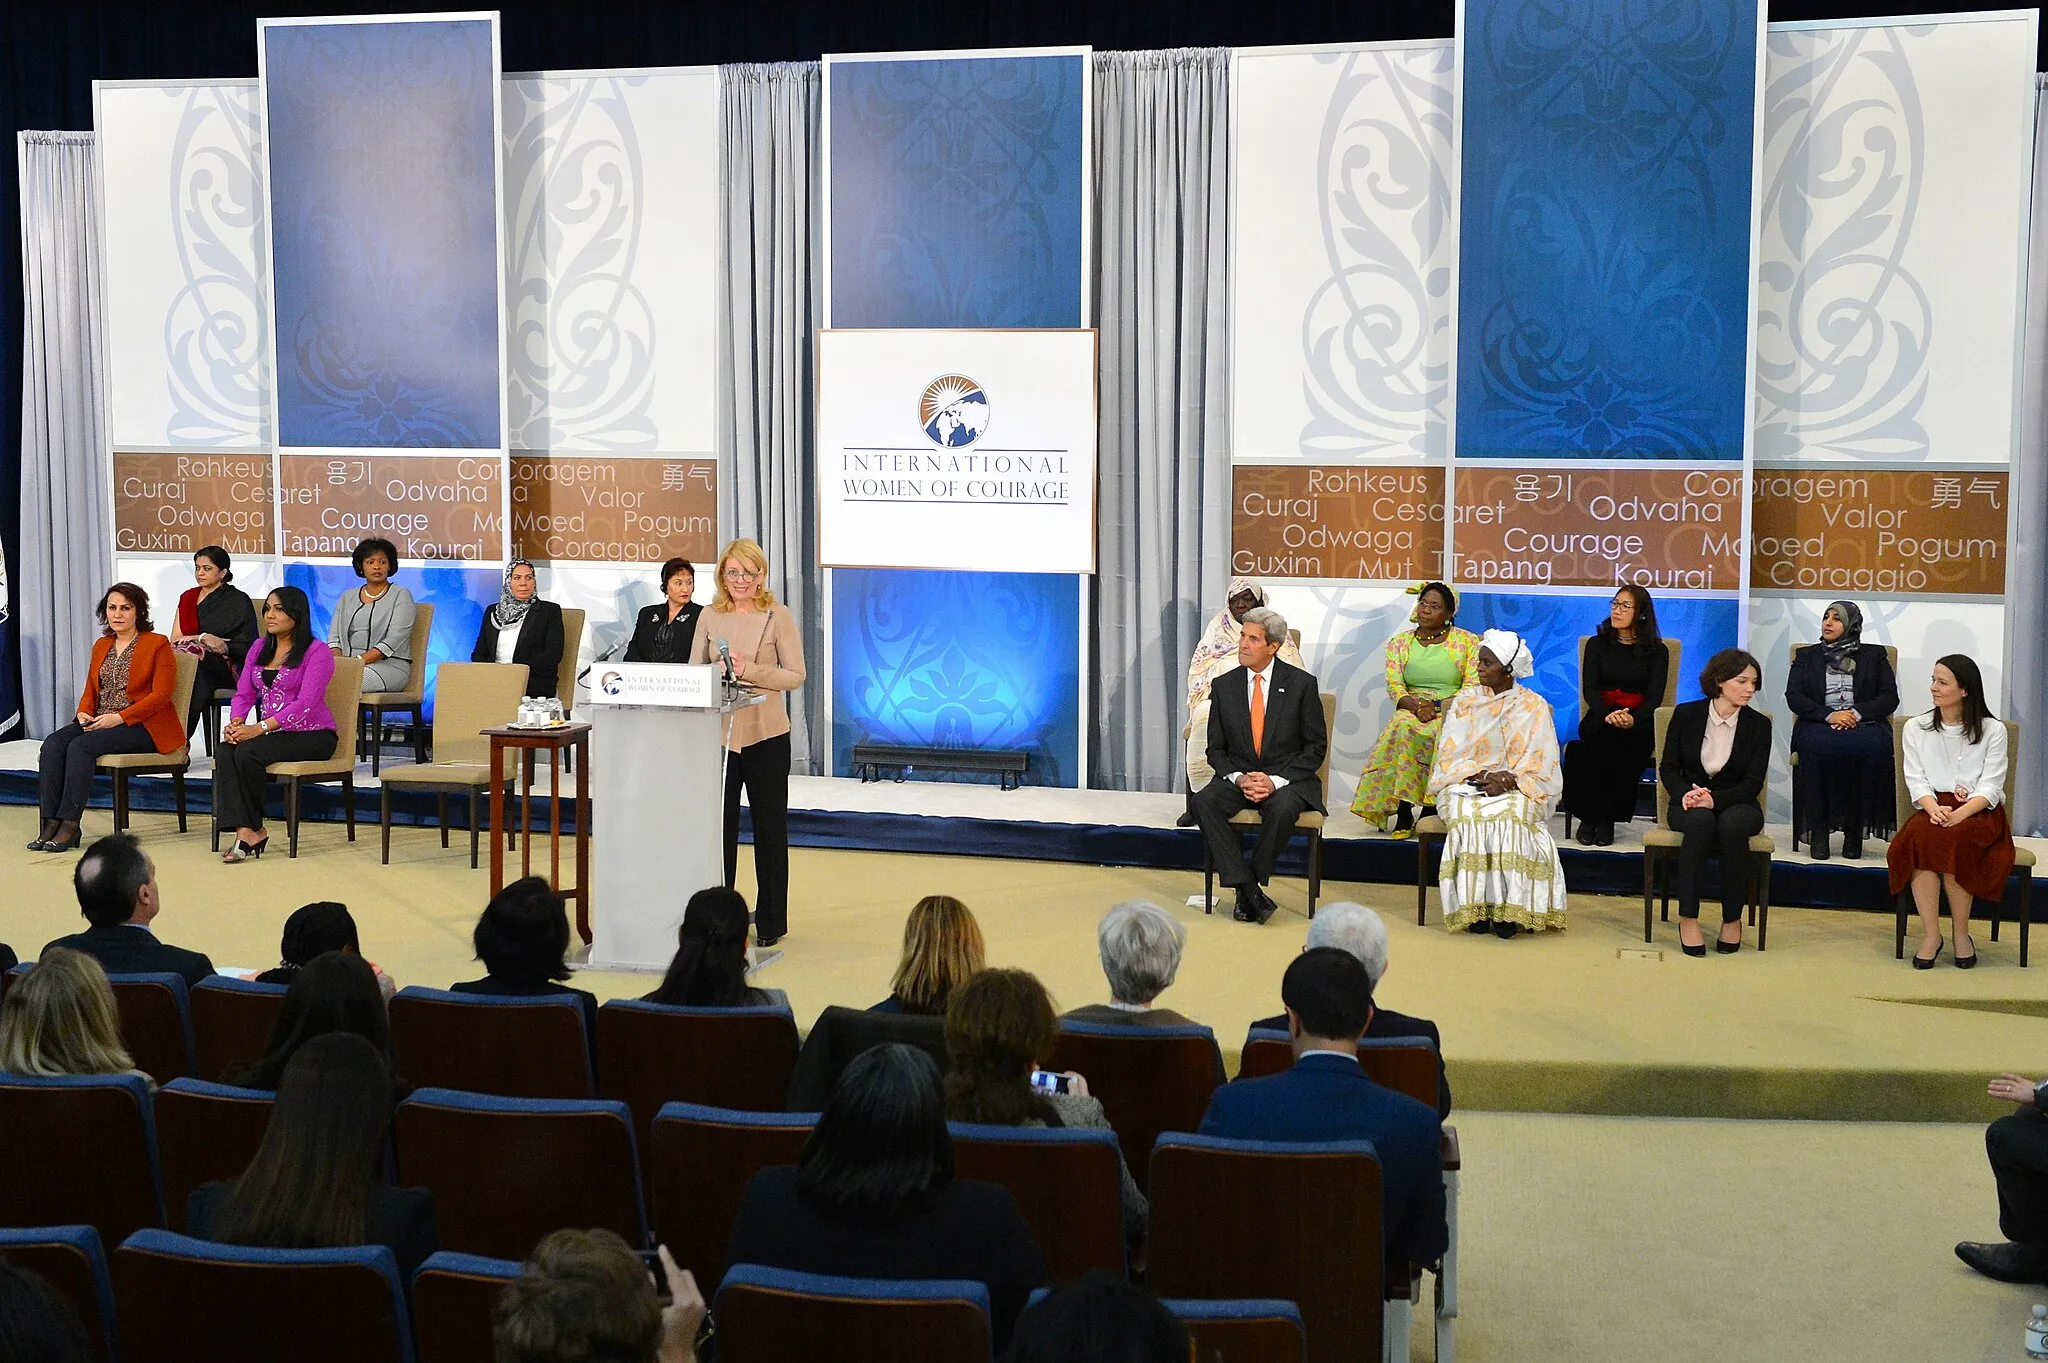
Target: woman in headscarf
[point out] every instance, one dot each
(1843, 693)
(522, 628)
(1495, 781)
(1215, 655)
(1426, 666)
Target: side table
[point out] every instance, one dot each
(554, 741)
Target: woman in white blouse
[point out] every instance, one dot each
(1958, 837)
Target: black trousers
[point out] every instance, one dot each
(1723, 833)
(214, 673)
(763, 768)
(239, 779)
(1214, 805)
(65, 776)
(2018, 1147)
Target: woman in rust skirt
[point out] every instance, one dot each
(1958, 837)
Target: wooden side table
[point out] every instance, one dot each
(562, 738)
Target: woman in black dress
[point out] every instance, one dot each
(1622, 684)
(1843, 693)
(216, 622)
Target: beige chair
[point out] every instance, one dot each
(1310, 823)
(1891, 655)
(565, 675)
(371, 708)
(1675, 653)
(468, 698)
(343, 692)
(123, 765)
(2022, 858)
(1661, 844)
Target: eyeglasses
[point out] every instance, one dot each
(743, 575)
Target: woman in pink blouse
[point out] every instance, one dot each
(284, 682)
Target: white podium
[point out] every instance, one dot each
(657, 737)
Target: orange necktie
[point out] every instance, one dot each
(1258, 713)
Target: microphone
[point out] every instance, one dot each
(725, 657)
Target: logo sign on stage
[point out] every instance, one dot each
(670, 685)
(970, 450)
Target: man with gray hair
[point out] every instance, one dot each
(1266, 745)
(1140, 945)
(1355, 929)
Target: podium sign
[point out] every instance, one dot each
(679, 686)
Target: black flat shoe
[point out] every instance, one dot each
(1186, 819)
(1852, 851)
(1478, 927)
(1506, 930)
(52, 845)
(765, 942)
(1928, 962)
(1967, 962)
(1818, 849)
(1606, 838)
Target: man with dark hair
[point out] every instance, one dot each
(1327, 1097)
(116, 886)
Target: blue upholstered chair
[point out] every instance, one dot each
(1245, 1329)
(1148, 1079)
(654, 1053)
(698, 1162)
(73, 1261)
(205, 1132)
(156, 1022)
(1067, 1183)
(452, 1298)
(79, 1150)
(516, 1046)
(231, 1023)
(772, 1315)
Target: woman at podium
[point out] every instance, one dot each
(665, 631)
(746, 624)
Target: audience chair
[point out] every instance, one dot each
(181, 1300)
(72, 1261)
(79, 1150)
(469, 698)
(772, 1315)
(122, 765)
(1660, 849)
(205, 1132)
(1891, 655)
(698, 1162)
(1148, 1079)
(1299, 1221)
(1244, 1330)
(2022, 857)
(840, 1034)
(343, 693)
(1067, 1183)
(651, 1053)
(156, 1022)
(506, 1171)
(452, 1299)
(515, 1046)
(371, 705)
(1310, 825)
(1673, 652)
(231, 1023)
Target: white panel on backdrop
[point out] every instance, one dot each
(970, 450)
(1341, 251)
(1896, 170)
(188, 355)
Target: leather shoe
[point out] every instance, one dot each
(1267, 908)
(2006, 1262)
(1186, 819)
(1245, 909)
(1818, 848)
(1927, 962)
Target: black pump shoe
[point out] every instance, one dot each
(1928, 963)
(1699, 950)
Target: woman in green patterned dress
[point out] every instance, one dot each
(1426, 666)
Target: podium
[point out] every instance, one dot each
(658, 733)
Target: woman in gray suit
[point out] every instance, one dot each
(374, 621)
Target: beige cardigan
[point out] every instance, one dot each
(767, 642)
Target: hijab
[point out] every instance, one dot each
(1841, 654)
(510, 610)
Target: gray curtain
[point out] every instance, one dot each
(1162, 137)
(2027, 568)
(769, 239)
(66, 504)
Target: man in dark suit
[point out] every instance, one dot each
(1358, 930)
(116, 886)
(1327, 1097)
(1266, 745)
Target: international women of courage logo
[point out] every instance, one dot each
(953, 411)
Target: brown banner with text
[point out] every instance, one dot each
(610, 508)
(1821, 531)
(1379, 522)
(430, 506)
(180, 503)
(1579, 527)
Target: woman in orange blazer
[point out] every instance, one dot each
(127, 707)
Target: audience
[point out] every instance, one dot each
(37, 1323)
(942, 946)
(1327, 1097)
(999, 1028)
(314, 1183)
(1140, 945)
(60, 1018)
(523, 941)
(873, 1195)
(1101, 1318)
(315, 930)
(710, 965)
(8, 960)
(1358, 930)
(116, 886)
(585, 1297)
(336, 992)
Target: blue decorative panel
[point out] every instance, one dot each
(1607, 159)
(958, 660)
(1553, 626)
(383, 153)
(459, 596)
(957, 189)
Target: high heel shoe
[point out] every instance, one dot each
(1928, 962)
(1699, 950)
(243, 851)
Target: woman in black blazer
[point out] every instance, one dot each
(1716, 753)
(1844, 693)
(522, 628)
(666, 631)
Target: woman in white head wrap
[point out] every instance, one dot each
(1215, 655)
(1495, 780)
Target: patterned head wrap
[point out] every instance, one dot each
(510, 610)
